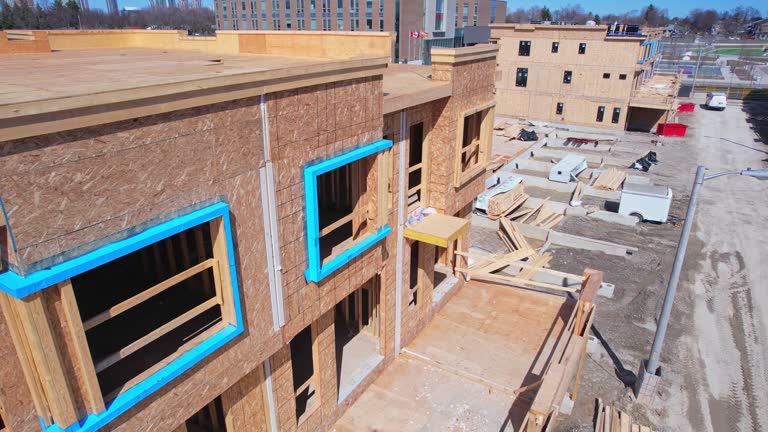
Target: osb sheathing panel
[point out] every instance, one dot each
(65, 191)
(309, 125)
(138, 172)
(243, 404)
(16, 399)
(472, 87)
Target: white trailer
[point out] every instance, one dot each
(569, 167)
(646, 202)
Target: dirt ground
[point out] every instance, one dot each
(716, 351)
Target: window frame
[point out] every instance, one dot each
(317, 270)
(582, 48)
(600, 117)
(524, 48)
(567, 77)
(25, 296)
(616, 115)
(622, 77)
(517, 77)
(560, 108)
(484, 144)
(606, 75)
(555, 47)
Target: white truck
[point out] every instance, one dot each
(716, 101)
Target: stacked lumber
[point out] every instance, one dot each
(610, 419)
(498, 162)
(547, 219)
(610, 179)
(500, 125)
(503, 204)
(512, 237)
(512, 132)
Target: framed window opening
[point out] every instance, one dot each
(622, 77)
(600, 113)
(583, 48)
(305, 366)
(606, 75)
(616, 115)
(416, 165)
(560, 107)
(345, 213)
(416, 279)
(555, 47)
(521, 79)
(178, 277)
(524, 49)
(567, 77)
(474, 137)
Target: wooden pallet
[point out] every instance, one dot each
(610, 419)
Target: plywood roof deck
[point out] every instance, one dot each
(460, 371)
(43, 76)
(410, 85)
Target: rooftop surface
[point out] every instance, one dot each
(60, 74)
(406, 84)
(460, 371)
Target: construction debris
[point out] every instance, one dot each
(610, 419)
(578, 192)
(610, 179)
(502, 204)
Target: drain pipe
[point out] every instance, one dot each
(400, 227)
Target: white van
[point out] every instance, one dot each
(716, 101)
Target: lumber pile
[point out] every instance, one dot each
(538, 216)
(610, 419)
(610, 179)
(498, 162)
(503, 204)
(578, 192)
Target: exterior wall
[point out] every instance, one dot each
(545, 88)
(501, 12)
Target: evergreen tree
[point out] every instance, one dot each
(597, 19)
(6, 16)
(546, 15)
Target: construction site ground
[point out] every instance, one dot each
(714, 361)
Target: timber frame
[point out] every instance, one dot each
(480, 148)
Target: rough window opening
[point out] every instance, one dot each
(582, 48)
(416, 165)
(415, 276)
(521, 79)
(345, 207)
(209, 419)
(616, 115)
(622, 77)
(474, 132)
(555, 47)
(600, 113)
(606, 75)
(567, 77)
(158, 301)
(304, 365)
(357, 325)
(524, 49)
(560, 107)
(470, 144)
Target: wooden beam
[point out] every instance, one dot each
(221, 254)
(94, 398)
(517, 282)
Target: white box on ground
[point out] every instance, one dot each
(568, 167)
(648, 202)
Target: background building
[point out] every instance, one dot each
(581, 74)
(434, 21)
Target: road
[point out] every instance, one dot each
(723, 357)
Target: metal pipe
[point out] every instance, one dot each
(669, 297)
(400, 229)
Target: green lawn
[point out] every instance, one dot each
(740, 51)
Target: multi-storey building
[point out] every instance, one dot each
(434, 21)
(581, 74)
(188, 247)
(112, 7)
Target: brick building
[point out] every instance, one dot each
(194, 228)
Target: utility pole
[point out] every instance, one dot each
(696, 73)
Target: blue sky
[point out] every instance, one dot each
(676, 8)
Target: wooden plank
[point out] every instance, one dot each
(181, 428)
(147, 294)
(538, 263)
(201, 256)
(150, 337)
(47, 360)
(592, 281)
(24, 351)
(221, 254)
(626, 422)
(513, 281)
(599, 419)
(535, 209)
(332, 227)
(95, 400)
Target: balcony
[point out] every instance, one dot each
(658, 92)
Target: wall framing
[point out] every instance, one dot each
(484, 146)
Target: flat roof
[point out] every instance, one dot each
(409, 85)
(60, 74)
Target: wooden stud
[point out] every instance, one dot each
(94, 399)
(201, 256)
(47, 360)
(221, 254)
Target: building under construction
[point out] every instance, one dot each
(252, 232)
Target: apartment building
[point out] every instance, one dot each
(194, 229)
(435, 21)
(585, 75)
